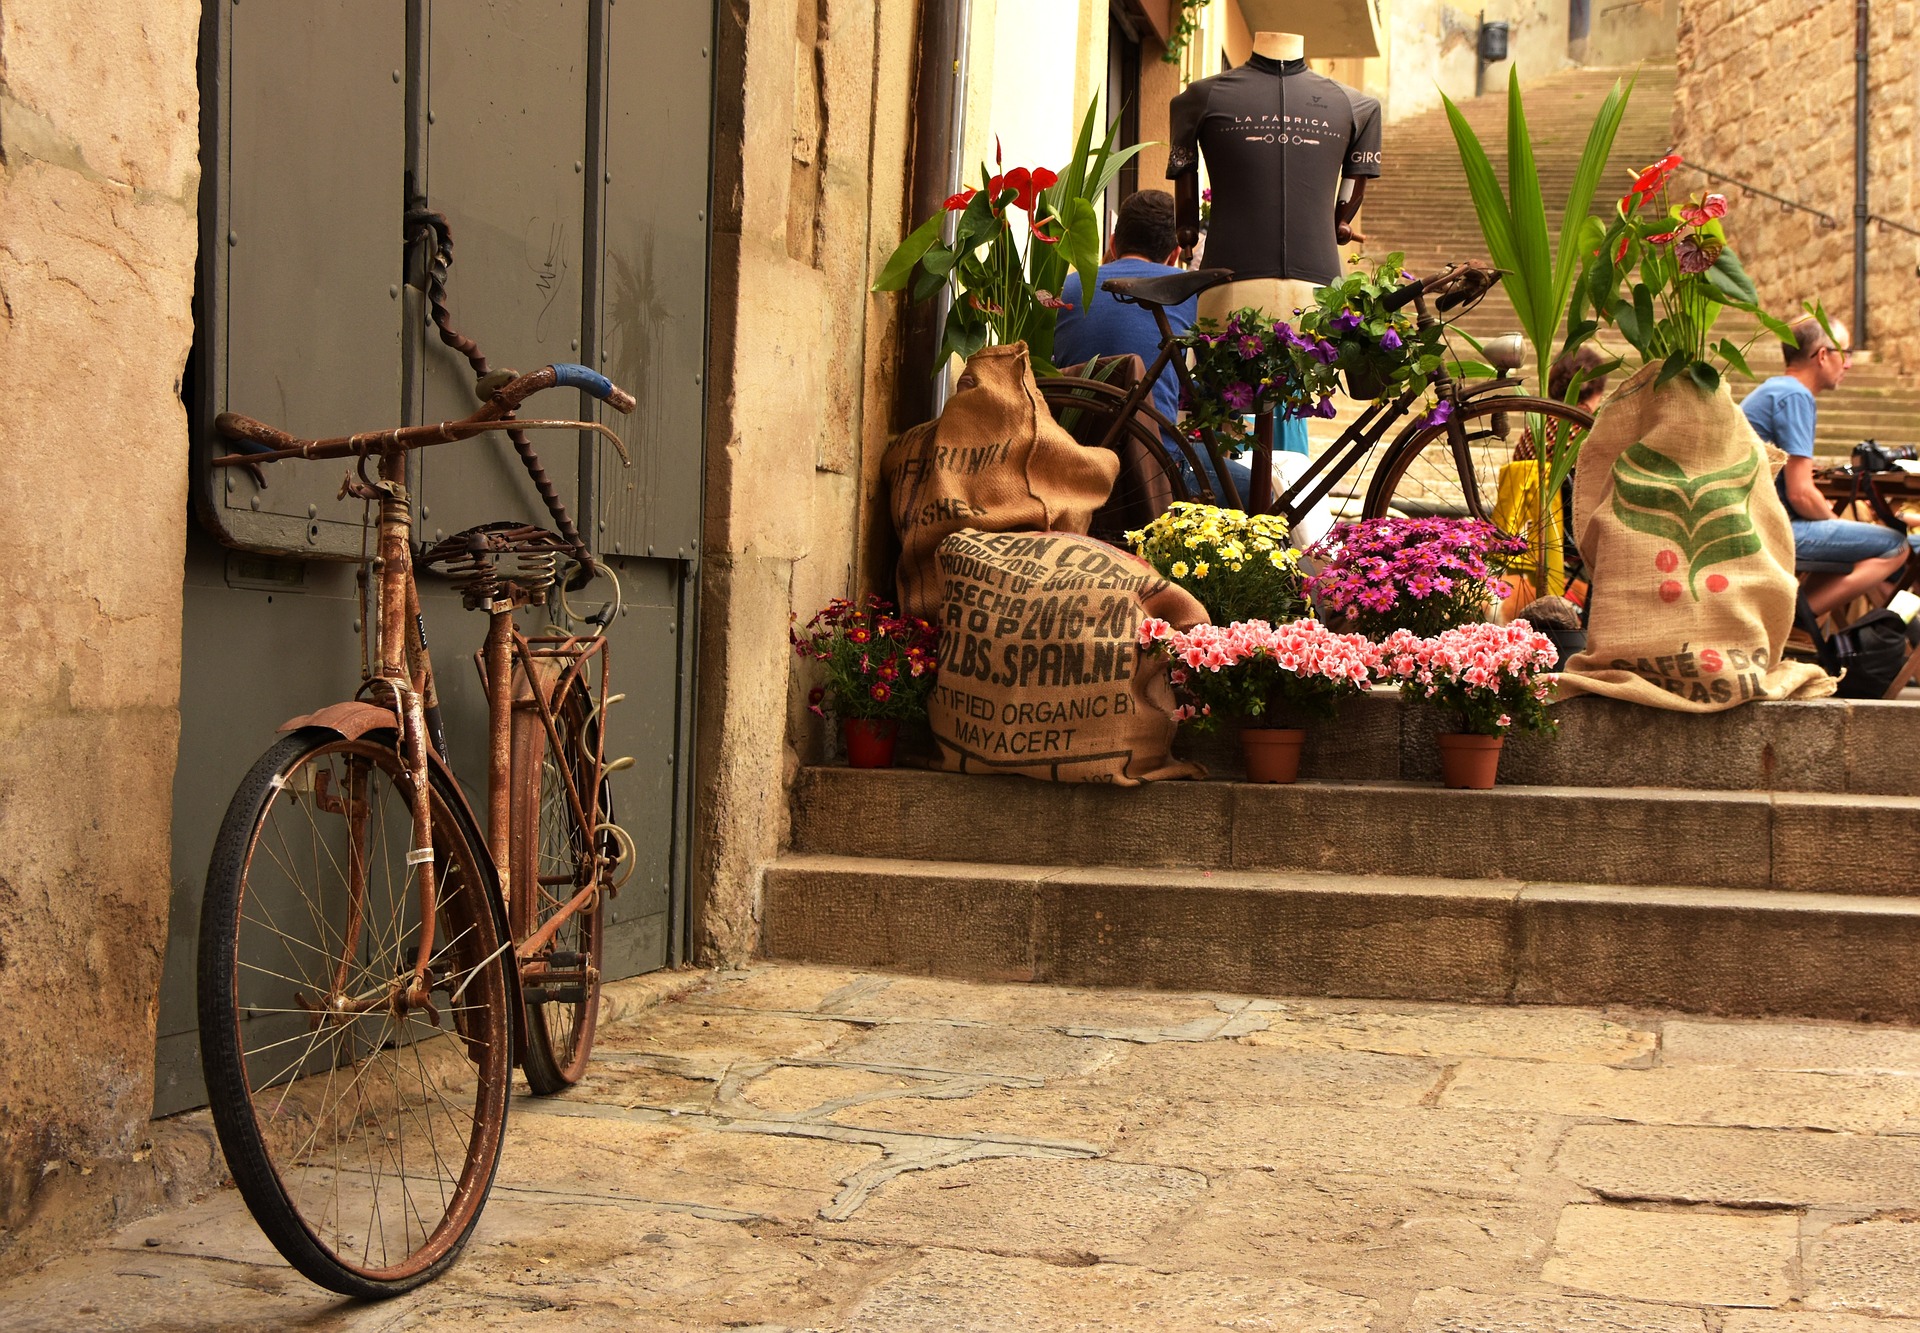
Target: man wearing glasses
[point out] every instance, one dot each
(1781, 412)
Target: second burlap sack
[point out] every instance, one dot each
(1041, 671)
(1689, 553)
(995, 460)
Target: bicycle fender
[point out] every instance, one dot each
(350, 720)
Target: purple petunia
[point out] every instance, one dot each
(1252, 345)
(1390, 340)
(1441, 414)
(1324, 352)
(1344, 322)
(1238, 397)
(1324, 408)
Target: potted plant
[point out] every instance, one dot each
(1273, 677)
(1490, 677)
(1238, 565)
(1004, 271)
(1541, 270)
(879, 671)
(1422, 575)
(1255, 364)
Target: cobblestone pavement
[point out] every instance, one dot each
(793, 1148)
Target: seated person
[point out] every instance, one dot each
(1144, 244)
(1781, 411)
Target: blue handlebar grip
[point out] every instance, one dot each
(570, 375)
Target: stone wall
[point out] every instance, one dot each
(802, 366)
(1431, 45)
(1766, 94)
(99, 175)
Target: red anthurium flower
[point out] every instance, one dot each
(956, 202)
(1713, 206)
(1051, 302)
(1020, 181)
(1620, 252)
(1651, 178)
(1664, 238)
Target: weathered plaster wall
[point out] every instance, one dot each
(1431, 48)
(99, 173)
(1766, 94)
(813, 119)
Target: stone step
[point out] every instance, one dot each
(1721, 951)
(1802, 842)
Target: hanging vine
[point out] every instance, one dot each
(1185, 26)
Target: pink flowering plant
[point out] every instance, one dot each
(1272, 675)
(1423, 575)
(1492, 677)
(877, 664)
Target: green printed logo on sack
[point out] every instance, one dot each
(1708, 518)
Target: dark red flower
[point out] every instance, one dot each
(1664, 238)
(1713, 206)
(1050, 301)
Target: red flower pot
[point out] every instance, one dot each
(1469, 761)
(870, 741)
(1272, 754)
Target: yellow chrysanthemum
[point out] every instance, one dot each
(1179, 569)
(1200, 568)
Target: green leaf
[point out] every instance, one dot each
(1670, 369)
(1705, 376)
(1709, 518)
(1627, 320)
(1082, 244)
(1735, 358)
(1471, 370)
(1730, 281)
(1778, 328)
(1489, 205)
(1528, 212)
(893, 275)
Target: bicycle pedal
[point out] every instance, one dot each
(559, 962)
(556, 994)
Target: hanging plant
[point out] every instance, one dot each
(1186, 24)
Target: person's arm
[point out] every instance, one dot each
(1793, 418)
(1803, 496)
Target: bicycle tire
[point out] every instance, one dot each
(551, 862)
(453, 1097)
(1453, 469)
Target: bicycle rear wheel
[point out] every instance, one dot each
(363, 1130)
(1453, 470)
(555, 859)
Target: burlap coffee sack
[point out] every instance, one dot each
(1040, 667)
(1690, 555)
(995, 461)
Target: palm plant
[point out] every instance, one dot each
(1540, 270)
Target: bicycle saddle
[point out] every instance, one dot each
(1168, 288)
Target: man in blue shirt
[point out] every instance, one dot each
(1144, 244)
(1781, 412)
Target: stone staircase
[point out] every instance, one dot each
(1421, 207)
(1756, 861)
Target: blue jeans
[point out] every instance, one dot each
(1843, 542)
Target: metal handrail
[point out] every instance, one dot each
(1897, 226)
(1827, 221)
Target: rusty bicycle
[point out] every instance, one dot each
(373, 955)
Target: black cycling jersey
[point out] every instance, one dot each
(1278, 139)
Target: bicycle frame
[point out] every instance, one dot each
(1325, 472)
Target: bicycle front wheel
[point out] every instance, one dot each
(362, 1123)
(555, 862)
(1453, 470)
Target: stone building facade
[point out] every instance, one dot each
(1766, 95)
(99, 176)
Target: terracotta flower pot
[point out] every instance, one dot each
(870, 741)
(1272, 754)
(1469, 761)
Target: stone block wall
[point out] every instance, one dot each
(99, 176)
(1766, 94)
(811, 147)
